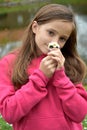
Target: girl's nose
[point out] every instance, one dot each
(56, 39)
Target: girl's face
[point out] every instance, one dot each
(54, 31)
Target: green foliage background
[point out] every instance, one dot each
(38, 3)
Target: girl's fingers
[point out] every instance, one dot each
(48, 60)
(57, 59)
(48, 66)
(52, 65)
(60, 62)
(55, 53)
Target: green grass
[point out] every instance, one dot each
(85, 123)
(4, 125)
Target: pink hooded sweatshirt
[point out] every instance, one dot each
(41, 104)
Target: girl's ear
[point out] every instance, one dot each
(34, 27)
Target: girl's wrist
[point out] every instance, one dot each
(60, 68)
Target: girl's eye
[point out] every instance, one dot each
(51, 33)
(63, 39)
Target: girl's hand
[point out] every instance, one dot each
(48, 66)
(58, 57)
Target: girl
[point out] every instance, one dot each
(42, 89)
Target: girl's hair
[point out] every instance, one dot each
(74, 66)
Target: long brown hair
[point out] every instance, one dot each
(74, 66)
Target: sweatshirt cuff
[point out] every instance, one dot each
(39, 76)
(60, 78)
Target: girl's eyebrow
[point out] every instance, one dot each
(52, 30)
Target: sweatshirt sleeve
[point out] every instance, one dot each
(73, 97)
(16, 104)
